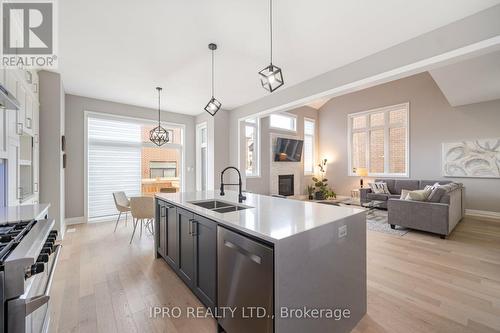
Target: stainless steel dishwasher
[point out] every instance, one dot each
(245, 283)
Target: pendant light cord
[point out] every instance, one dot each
(271, 27)
(159, 96)
(213, 74)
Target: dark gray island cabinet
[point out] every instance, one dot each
(188, 243)
(303, 264)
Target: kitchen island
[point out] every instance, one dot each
(302, 263)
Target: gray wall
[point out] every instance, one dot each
(218, 144)
(261, 184)
(221, 144)
(75, 107)
(432, 121)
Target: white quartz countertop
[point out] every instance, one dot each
(23, 212)
(270, 218)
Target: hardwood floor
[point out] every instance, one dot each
(416, 283)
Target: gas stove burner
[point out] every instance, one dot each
(5, 229)
(11, 234)
(5, 239)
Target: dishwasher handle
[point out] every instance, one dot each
(255, 258)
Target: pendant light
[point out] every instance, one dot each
(159, 135)
(213, 105)
(271, 77)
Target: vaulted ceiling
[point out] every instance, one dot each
(471, 81)
(120, 50)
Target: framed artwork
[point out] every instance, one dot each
(472, 158)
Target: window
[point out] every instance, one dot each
(114, 163)
(162, 169)
(120, 157)
(378, 141)
(201, 157)
(283, 122)
(251, 142)
(309, 142)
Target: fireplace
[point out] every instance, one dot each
(285, 185)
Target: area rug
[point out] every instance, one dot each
(376, 220)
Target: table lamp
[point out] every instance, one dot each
(361, 172)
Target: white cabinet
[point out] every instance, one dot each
(35, 87)
(3, 133)
(11, 81)
(2, 76)
(21, 113)
(14, 192)
(18, 128)
(13, 130)
(36, 149)
(28, 122)
(3, 122)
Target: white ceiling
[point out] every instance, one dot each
(119, 50)
(471, 81)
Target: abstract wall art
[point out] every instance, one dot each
(472, 158)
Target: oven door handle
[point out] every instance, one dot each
(35, 302)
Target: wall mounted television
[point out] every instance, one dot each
(288, 150)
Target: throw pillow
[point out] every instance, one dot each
(436, 194)
(440, 190)
(379, 188)
(404, 194)
(428, 190)
(418, 195)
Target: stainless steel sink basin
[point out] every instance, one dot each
(219, 206)
(211, 204)
(229, 209)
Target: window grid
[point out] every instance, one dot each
(395, 141)
(309, 145)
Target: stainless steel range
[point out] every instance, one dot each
(28, 257)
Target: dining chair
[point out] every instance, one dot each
(122, 204)
(143, 213)
(168, 190)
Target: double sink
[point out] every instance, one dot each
(219, 206)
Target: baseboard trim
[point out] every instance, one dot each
(74, 220)
(482, 213)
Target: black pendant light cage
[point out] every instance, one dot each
(213, 105)
(271, 77)
(158, 135)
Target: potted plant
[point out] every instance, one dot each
(321, 184)
(310, 191)
(321, 187)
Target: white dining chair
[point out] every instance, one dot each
(143, 213)
(122, 204)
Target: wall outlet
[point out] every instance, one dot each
(342, 231)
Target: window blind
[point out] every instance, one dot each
(114, 163)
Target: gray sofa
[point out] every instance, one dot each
(436, 217)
